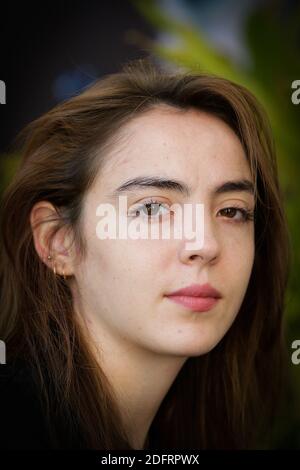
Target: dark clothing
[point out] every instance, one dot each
(23, 424)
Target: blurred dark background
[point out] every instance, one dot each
(50, 50)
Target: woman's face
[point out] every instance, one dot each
(121, 285)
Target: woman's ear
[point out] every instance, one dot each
(54, 250)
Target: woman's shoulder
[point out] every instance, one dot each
(16, 378)
(22, 420)
(12, 372)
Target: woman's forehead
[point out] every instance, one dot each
(194, 148)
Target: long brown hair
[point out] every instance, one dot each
(218, 399)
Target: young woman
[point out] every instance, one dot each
(131, 342)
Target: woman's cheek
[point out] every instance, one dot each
(238, 256)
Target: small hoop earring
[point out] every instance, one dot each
(64, 275)
(54, 270)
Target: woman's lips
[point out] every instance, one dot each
(199, 298)
(196, 304)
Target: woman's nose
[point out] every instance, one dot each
(207, 251)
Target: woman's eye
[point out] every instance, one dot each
(149, 209)
(236, 213)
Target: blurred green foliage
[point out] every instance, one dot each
(272, 38)
(8, 166)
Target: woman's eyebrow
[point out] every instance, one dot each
(152, 182)
(179, 186)
(235, 185)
